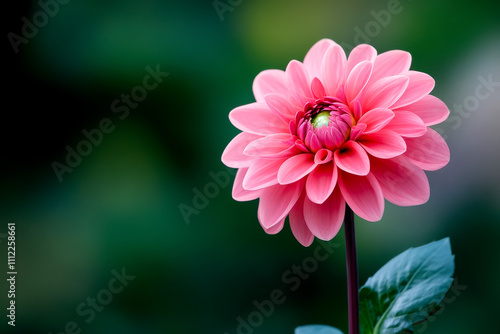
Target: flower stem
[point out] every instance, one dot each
(352, 271)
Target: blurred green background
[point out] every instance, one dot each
(120, 206)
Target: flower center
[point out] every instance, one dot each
(326, 123)
(320, 119)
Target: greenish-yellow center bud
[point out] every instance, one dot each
(321, 119)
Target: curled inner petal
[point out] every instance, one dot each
(323, 156)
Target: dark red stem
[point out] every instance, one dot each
(352, 271)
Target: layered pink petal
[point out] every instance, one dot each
(352, 158)
(276, 202)
(270, 81)
(317, 88)
(430, 109)
(321, 182)
(383, 144)
(333, 69)
(315, 55)
(360, 53)
(420, 85)
(281, 107)
(298, 82)
(357, 80)
(384, 92)
(333, 138)
(262, 173)
(357, 109)
(313, 142)
(257, 118)
(390, 63)
(275, 228)
(363, 194)
(271, 145)
(298, 224)
(233, 155)
(295, 168)
(407, 124)
(241, 194)
(357, 130)
(402, 182)
(376, 119)
(429, 152)
(325, 220)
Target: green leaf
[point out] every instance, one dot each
(317, 329)
(407, 289)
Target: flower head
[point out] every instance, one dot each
(335, 130)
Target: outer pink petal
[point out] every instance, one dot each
(384, 144)
(269, 145)
(407, 124)
(386, 91)
(298, 224)
(429, 152)
(258, 119)
(420, 85)
(376, 119)
(390, 63)
(262, 173)
(402, 182)
(297, 81)
(233, 155)
(239, 193)
(357, 80)
(333, 69)
(295, 168)
(360, 53)
(363, 194)
(281, 106)
(430, 109)
(352, 158)
(276, 202)
(321, 182)
(315, 55)
(270, 81)
(325, 220)
(275, 228)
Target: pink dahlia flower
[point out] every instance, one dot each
(335, 130)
